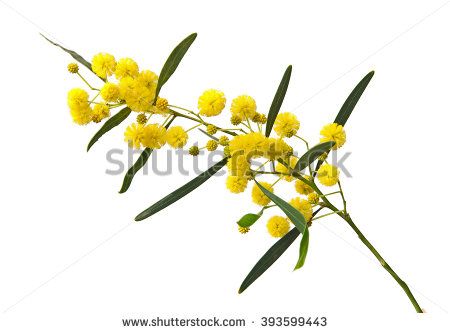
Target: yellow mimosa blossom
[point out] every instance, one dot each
(110, 92)
(148, 79)
(278, 226)
(328, 174)
(77, 98)
(303, 206)
(224, 140)
(140, 99)
(235, 120)
(100, 112)
(211, 103)
(258, 196)
(286, 124)
(176, 137)
(211, 129)
(194, 151)
(313, 198)
(141, 118)
(280, 167)
(161, 106)
(250, 145)
(81, 116)
(333, 132)
(236, 184)
(238, 165)
(73, 67)
(244, 107)
(134, 134)
(126, 67)
(211, 145)
(154, 136)
(277, 148)
(126, 86)
(243, 230)
(103, 64)
(303, 188)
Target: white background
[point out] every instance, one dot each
(73, 260)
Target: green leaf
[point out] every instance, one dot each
(312, 154)
(249, 219)
(271, 256)
(278, 100)
(173, 61)
(348, 106)
(352, 99)
(304, 243)
(293, 214)
(110, 124)
(140, 162)
(74, 55)
(181, 192)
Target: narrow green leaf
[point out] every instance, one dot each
(312, 154)
(74, 55)
(278, 100)
(271, 256)
(352, 99)
(110, 124)
(248, 219)
(304, 243)
(293, 214)
(181, 192)
(348, 106)
(140, 162)
(173, 61)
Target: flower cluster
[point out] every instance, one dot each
(247, 148)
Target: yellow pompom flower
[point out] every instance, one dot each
(161, 105)
(211, 145)
(258, 196)
(77, 98)
(280, 167)
(148, 79)
(243, 230)
(81, 116)
(211, 129)
(278, 226)
(235, 120)
(238, 165)
(126, 86)
(303, 188)
(303, 206)
(110, 92)
(103, 64)
(236, 184)
(333, 132)
(176, 137)
(211, 103)
(126, 67)
(313, 198)
(154, 136)
(140, 98)
(100, 112)
(250, 145)
(328, 174)
(244, 107)
(223, 140)
(194, 151)
(134, 135)
(141, 118)
(73, 67)
(277, 148)
(286, 124)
